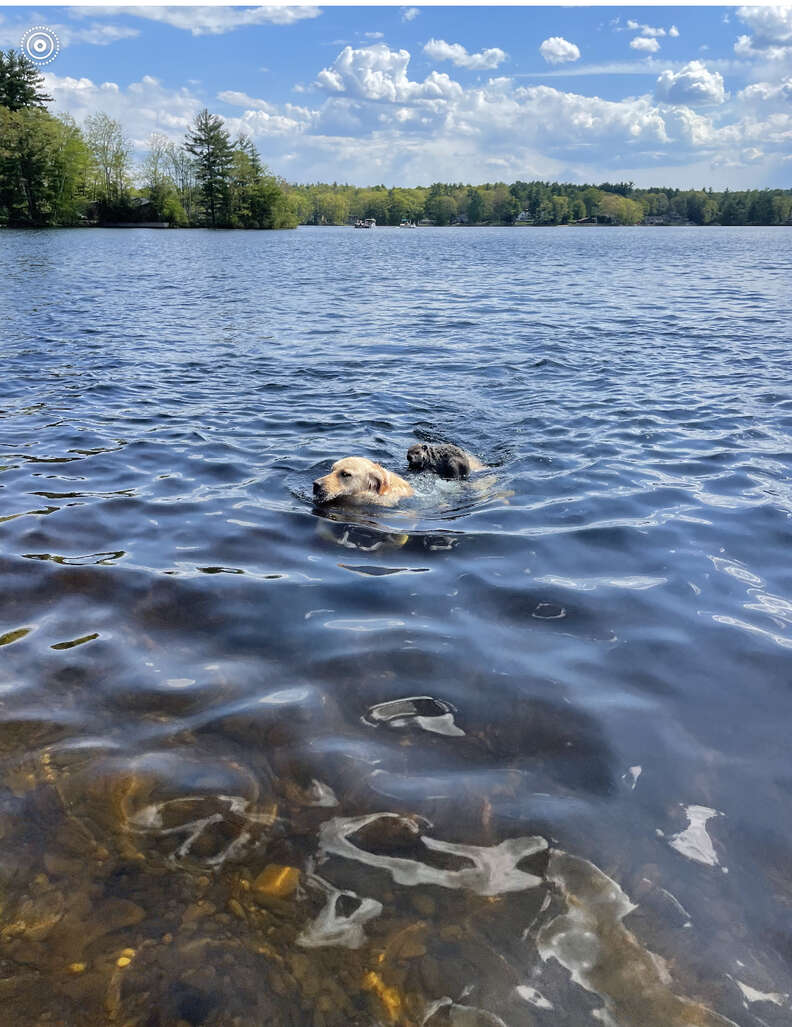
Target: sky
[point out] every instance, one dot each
(688, 97)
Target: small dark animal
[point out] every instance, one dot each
(445, 460)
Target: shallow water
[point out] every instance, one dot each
(516, 751)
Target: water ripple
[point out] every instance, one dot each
(211, 690)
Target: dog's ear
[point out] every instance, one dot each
(377, 481)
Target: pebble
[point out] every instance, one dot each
(277, 881)
(424, 904)
(236, 909)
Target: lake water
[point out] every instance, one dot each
(514, 752)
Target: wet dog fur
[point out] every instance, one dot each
(446, 460)
(354, 479)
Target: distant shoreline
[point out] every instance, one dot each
(380, 228)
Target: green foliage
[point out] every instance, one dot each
(619, 210)
(544, 203)
(110, 171)
(441, 208)
(226, 185)
(20, 82)
(210, 146)
(43, 163)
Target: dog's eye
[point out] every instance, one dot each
(346, 474)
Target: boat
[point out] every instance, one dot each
(406, 224)
(365, 223)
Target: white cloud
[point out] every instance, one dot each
(260, 123)
(763, 93)
(96, 34)
(635, 66)
(772, 33)
(236, 99)
(695, 86)
(379, 73)
(650, 31)
(439, 50)
(746, 47)
(142, 108)
(646, 44)
(557, 50)
(563, 118)
(373, 123)
(410, 13)
(770, 25)
(374, 35)
(646, 30)
(211, 21)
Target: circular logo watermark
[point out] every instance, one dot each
(40, 44)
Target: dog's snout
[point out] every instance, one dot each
(318, 487)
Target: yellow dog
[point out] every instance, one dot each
(358, 480)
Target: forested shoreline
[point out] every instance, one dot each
(541, 203)
(56, 173)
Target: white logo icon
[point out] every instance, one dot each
(40, 44)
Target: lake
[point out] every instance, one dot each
(513, 752)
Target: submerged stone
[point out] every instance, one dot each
(277, 881)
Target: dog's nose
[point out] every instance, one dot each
(318, 488)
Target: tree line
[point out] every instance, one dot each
(55, 172)
(541, 203)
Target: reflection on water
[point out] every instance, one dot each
(514, 752)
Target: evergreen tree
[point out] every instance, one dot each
(210, 145)
(20, 82)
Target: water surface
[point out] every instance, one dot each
(514, 752)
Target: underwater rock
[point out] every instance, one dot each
(604, 957)
(172, 806)
(277, 881)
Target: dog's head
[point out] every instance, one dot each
(419, 456)
(445, 460)
(354, 477)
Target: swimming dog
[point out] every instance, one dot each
(358, 480)
(445, 460)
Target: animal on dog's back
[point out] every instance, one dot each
(355, 479)
(445, 459)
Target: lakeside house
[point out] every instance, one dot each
(595, 219)
(665, 219)
(140, 211)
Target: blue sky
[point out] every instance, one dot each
(681, 96)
